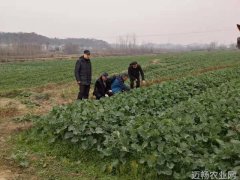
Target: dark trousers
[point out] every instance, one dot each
(83, 91)
(99, 96)
(132, 83)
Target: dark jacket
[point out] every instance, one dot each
(134, 73)
(100, 89)
(118, 85)
(83, 71)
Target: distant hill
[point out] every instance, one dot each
(33, 38)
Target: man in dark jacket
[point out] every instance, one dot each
(134, 71)
(102, 87)
(83, 74)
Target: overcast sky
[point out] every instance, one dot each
(158, 21)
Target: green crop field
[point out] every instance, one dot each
(167, 130)
(21, 75)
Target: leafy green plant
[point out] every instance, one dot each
(21, 158)
(166, 130)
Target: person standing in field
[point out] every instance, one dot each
(83, 75)
(134, 71)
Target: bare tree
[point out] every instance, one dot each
(127, 44)
(70, 48)
(212, 46)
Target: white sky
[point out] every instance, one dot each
(158, 21)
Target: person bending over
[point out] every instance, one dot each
(102, 87)
(118, 85)
(134, 71)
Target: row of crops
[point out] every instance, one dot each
(21, 75)
(188, 64)
(167, 130)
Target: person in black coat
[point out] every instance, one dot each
(238, 42)
(134, 71)
(83, 75)
(102, 87)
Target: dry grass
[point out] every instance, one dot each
(155, 61)
(10, 107)
(213, 68)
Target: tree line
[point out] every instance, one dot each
(32, 45)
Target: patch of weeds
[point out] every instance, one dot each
(29, 103)
(10, 94)
(41, 96)
(68, 93)
(59, 160)
(63, 95)
(21, 158)
(26, 118)
(25, 94)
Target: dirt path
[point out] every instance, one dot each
(8, 170)
(41, 101)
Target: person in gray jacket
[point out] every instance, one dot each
(83, 75)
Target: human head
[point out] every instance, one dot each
(134, 64)
(124, 76)
(86, 54)
(104, 76)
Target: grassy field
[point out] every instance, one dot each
(189, 106)
(22, 75)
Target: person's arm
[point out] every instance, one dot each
(108, 84)
(124, 87)
(141, 71)
(77, 69)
